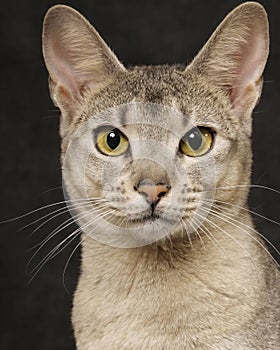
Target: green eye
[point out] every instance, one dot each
(197, 142)
(111, 142)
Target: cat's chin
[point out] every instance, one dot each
(135, 233)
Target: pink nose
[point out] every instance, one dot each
(152, 192)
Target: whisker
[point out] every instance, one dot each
(67, 263)
(182, 230)
(60, 228)
(196, 231)
(109, 211)
(52, 189)
(66, 209)
(46, 207)
(229, 215)
(242, 186)
(52, 254)
(208, 234)
(226, 233)
(229, 221)
(187, 232)
(63, 210)
(57, 250)
(239, 207)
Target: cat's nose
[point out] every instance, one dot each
(152, 192)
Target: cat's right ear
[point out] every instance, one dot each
(77, 58)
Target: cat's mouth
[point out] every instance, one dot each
(146, 217)
(150, 217)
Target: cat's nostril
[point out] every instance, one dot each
(161, 194)
(152, 192)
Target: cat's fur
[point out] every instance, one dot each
(222, 294)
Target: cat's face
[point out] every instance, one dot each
(147, 151)
(147, 136)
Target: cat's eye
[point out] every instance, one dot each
(197, 141)
(111, 141)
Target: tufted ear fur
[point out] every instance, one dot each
(77, 58)
(234, 57)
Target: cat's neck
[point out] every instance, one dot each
(228, 248)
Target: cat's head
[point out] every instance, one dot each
(147, 150)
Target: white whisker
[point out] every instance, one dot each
(231, 221)
(208, 234)
(60, 228)
(188, 234)
(230, 216)
(239, 207)
(56, 250)
(227, 234)
(68, 261)
(240, 186)
(46, 207)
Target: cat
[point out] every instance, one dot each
(156, 164)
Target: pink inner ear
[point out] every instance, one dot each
(251, 63)
(62, 70)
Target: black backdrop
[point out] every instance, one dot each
(37, 315)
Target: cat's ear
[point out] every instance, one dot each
(77, 58)
(234, 57)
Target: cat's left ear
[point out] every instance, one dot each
(77, 58)
(234, 57)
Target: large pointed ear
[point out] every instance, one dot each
(77, 58)
(234, 57)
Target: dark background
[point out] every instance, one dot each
(37, 315)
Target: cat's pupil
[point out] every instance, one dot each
(195, 140)
(113, 139)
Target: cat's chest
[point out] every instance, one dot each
(146, 323)
(133, 299)
(155, 315)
